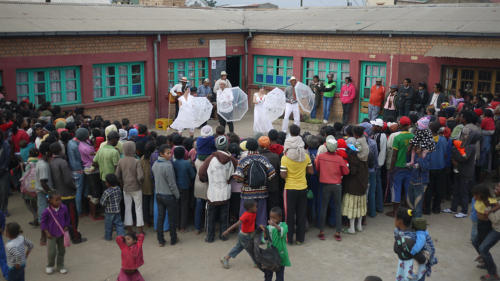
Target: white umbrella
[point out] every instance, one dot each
(275, 104)
(193, 113)
(305, 97)
(232, 104)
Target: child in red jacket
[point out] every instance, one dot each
(132, 257)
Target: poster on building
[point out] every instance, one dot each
(218, 48)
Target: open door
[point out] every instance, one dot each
(370, 71)
(233, 69)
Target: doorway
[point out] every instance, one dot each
(233, 69)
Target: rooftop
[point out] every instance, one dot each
(35, 19)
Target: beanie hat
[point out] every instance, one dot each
(252, 144)
(243, 145)
(123, 134)
(331, 143)
(221, 143)
(132, 133)
(82, 134)
(206, 131)
(60, 125)
(423, 123)
(264, 142)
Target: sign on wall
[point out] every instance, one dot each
(218, 48)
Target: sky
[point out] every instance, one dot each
(291, 3)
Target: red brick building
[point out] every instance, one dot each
(120, 61)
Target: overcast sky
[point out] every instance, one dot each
(291, 3)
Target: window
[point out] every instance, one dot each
(118, 80)
(323, 67)
(370, 71)
(471, 80)
(272, 70)
(60, 86)
(196, 70)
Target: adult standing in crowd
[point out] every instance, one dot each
(347, 96)
(390, 109)
(177, 91)
(380, 139)
(377, 94)
(328, 94)
(4, 173)
(421, 98)
(292, 105)
(223, 78)
(317, 87)
(275, 198)
(437, 175)
(404, 102)
(438, 97)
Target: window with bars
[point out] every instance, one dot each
(272, 70)
(59, 86)
(323, 67)
(195, 70)
(471, 80)
(118, 80)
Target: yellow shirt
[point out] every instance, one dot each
(481, 207)
(295, 172)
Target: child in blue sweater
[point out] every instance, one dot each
(184, 177)
(419, 179)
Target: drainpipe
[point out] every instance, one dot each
(246, 58)
(155, 51)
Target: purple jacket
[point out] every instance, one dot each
(48, 223)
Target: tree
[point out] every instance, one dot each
(211, 3)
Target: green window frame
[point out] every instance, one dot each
(370, 71)
(195, 69)
(118, 80)
(322, 67)
(272, 70)
(57, 85)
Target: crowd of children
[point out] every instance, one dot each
(68, 164)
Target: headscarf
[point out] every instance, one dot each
(294, 149)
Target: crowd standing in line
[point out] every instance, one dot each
(414, 151)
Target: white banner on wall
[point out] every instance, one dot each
(218, 48)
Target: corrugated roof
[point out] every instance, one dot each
(45, 19)
(463, 52)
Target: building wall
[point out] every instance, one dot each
(193, 40)
(168, 3)
(136, 112)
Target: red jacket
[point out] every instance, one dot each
(331, 168)
(347, 93)
(132, 257)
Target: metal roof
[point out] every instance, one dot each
(463, 52)
(21, 19)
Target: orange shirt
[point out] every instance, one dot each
(377, 95)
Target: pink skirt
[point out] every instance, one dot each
(136, 276)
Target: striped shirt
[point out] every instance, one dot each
(16, 250)
(241, 175)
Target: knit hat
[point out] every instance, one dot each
(123, 134)
(206, 131)
(423, 123)
(82, 134)
(60, 125)
(252, 144)
(331, 143)
(404, 121)
(243, 145)
(264, 142)
(221, 143)
(478, 111)
(132, 133)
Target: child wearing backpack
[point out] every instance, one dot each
(277, 231)
(247, 222)
(28, 185)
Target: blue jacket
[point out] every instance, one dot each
(184, 173)
(205, 145)
(420, 174)
(439, 156)
(74, 157)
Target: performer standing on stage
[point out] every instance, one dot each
(292, 104)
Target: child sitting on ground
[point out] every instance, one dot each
(247, 222)
(132, 257)
(111, 199)
(277, 230)
(55, 221)
(18, 249)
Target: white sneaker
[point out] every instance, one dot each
(325, 121)
(460, 215)
(63, 271)
(448, 211)
(49, 270)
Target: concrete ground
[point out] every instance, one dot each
(366, 253)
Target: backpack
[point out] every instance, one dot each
(257, 174)
(28, 180)
(269, 258)
(403, 246)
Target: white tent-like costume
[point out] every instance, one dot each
(193, 113)
(305, 97)
(232, 104)
(275, 104)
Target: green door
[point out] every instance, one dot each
(370, 71)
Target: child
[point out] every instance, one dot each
(184, 175)
(18, 249)
(28, 182)
(405, 240)
(420, 255)
(130, 175)
(423, 138)
(247, 222)
(55, 220)
(132, 257)
(111, 199)
(277, 230)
